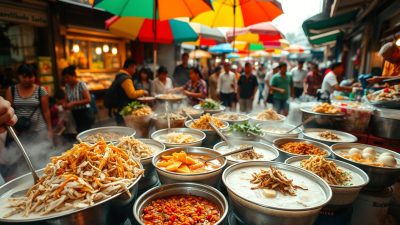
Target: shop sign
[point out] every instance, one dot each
(20, 15)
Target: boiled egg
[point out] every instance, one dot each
(386, 153)
(388, 161)
(355, 151)
(369, 150)
(367, 155)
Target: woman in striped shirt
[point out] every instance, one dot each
(77, 98)
(30, 101)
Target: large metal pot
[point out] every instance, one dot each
(195, 189)
(385, 123)
(379, 177)
(114, 210)
(150, 175)
(198, 134)
(120, 131)
(212, 136)
(257, 213)
(210, 178)
(322, 120)
(139, 123)
(342, 195)
(283, 155)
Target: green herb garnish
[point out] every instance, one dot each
(127, 110)
(209, 104)
(245, 128)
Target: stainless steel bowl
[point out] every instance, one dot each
(271, 136)
(212, 136)
(349, 137)
(194, 115)
(283, 155)
(341, 195)
(385, 123)
(198, 134)
(244, 119)
(255, 144)
(201, 190)
(150, 175)
(114, 210)
(211, 111)
(322, 120)
(121, 131)
(160, 121)
(254, 120)
(254, 213)
(379, 177)
(234, 135)
(211, 178)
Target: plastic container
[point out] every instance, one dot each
(357, 115)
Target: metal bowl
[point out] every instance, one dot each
(194, 115)
(253, 119)
(341, 195)
(161, 122)
(322, 120)
(264, 148)
(201, 190)
(385, 123)
(211, 178)
(349, 137)
(198, 134)
(283, 155)
(245, 118)
(252, 212)
(212, 136)
(271, 136)
(211, 111)
(234, 135)
(379, 177)
(150, 175)
(121, 131)
(113, 210)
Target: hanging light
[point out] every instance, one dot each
(75, 48)
(114, 51)
(106, 48)
(398, 42)
(98, 50)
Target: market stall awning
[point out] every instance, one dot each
(322, 28)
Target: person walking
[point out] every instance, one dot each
(213, 84)
(247, 88)
(261, 73)
(77, 99)
(162, 83)
(267, 81)
(313, 81)
(181, 72)
(282, 87)
(226, 86)
(144, 81)
(122, 91)
(298, 75)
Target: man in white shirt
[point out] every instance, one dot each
(298, 75)
(330, 83)
(226, 86)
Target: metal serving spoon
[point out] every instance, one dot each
(309, 119)
(244, 149)
(27, 160)
(220, 133)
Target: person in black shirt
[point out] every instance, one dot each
(181, 72)
(247, 88)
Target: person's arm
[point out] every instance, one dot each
(7, 114)
(130, 91)
(201, 94)
(219, 84)
(274, 88)
(305, 85)
(343, 88)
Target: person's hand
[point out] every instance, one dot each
(7, 115)
(187, 93)
(68, 105)
(375, 80)
(146, 93)
(357, 84)
(282, 91)
(50, 134)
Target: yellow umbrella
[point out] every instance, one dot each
(199, 54)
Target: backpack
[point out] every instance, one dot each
(112, 96)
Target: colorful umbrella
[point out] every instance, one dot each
(259, 54)
(248, 47)
(295, 49)
(164, 9)
(233, 56)
(276, 44)
(239, 13)
(222, 48)
(199, 54)
(255, 33)
(207, 36)
(168, 31)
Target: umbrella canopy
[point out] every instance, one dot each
(222, 48)
(208, 32)
(167, 32)
(233, 56)
(239, 13)
(295, 49)
(276, 44)
(259, 54)
(165, 9)
(199, 54)
(248, 47)
(255, 33)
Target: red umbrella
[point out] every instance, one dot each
(266, 32)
